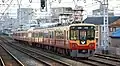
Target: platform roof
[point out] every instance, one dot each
(99, 20)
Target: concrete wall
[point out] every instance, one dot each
(115, 46)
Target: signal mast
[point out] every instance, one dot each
(105, 34)
(105, 42)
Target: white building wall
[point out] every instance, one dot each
(24, 16)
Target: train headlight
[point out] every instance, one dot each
(83, 50)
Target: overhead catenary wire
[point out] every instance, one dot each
(3, 1)
(6, 8)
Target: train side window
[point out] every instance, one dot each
(46, 34)
(67, 35)
(18, 34)
(64, 34)
(39, 34)
(32, 34)
(60, 34)
(52, 34)
(35, 34)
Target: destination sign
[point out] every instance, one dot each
(81, 27)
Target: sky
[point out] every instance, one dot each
(89, 5)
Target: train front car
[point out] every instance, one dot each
(82, 40)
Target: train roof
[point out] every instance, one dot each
(20, 32)
(60, 27)
(63, 27)
(52, 28)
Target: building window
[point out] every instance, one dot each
(112, 29)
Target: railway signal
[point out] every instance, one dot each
(42, 4)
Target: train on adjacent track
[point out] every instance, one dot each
(75, 40)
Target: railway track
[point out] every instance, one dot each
(26, 59)
(7, 58)
(108, 57)
(92, 62)
(43, 58)
(49, 61)
(101, 60)
(98, 62)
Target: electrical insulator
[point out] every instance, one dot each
(42, 4)
(30, 1)
(3, 1)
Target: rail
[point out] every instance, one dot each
(12, 55)
(2, 62)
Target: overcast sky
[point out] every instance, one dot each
(90, 4)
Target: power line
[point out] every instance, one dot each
(6, 9)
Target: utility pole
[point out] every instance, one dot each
(105, 35)
(106, 29)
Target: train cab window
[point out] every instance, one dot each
(82, 34)
(90, 34)
(74, 34)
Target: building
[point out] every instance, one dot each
(100, 11)
(60, 11)
(115, 37)
(113, 8)
(24, 16)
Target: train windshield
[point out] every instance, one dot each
(82, 32)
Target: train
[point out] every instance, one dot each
(75, 40)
